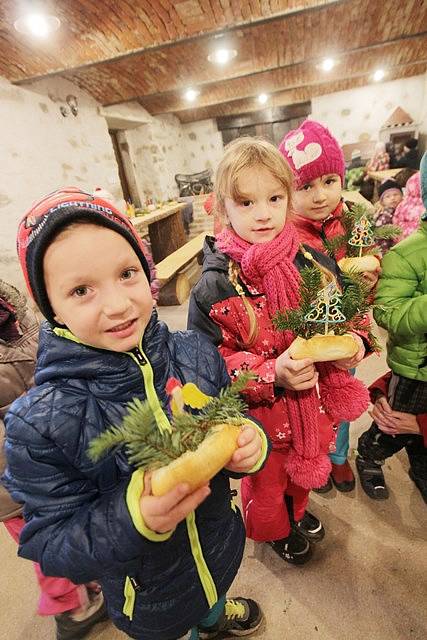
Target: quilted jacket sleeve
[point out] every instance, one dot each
(72, 528)
(400, 308)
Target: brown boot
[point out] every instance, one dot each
(342, 477)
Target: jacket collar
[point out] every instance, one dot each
(315, 227)
(61, 355)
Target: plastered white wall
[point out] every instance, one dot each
(41, 150)
(358, 114)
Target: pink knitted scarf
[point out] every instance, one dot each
(270, 268)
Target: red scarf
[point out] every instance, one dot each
(270, 267)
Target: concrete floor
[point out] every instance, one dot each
(366, 580)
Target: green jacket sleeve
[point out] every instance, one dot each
(400, 307)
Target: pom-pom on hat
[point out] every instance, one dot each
(386, 186)
(312, 151)
(50, 215)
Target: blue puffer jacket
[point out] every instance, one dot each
(79, 524)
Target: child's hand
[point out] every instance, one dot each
(405, 422)
(393, 422)
(297, 375)
(381, 414)
(161, 514)
(371, 277)
(248, 452)
(350, 363)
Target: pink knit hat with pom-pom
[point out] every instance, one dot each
(312, 151)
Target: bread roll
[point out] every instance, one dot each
(196, 468)
(364, 263)
(324, 348)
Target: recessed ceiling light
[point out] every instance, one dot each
(37, 24)
(379, 75)
(262, 98)
(328, 64)
(222, 56)
(191, 95)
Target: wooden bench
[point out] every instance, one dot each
(179, 271)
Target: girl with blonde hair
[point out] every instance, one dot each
(251, 270)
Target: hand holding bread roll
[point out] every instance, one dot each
(196, 468)
(324, 348)
(360, 264)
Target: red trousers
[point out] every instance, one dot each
(56, 594)
(263, 500)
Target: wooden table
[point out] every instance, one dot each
(379, 176)
(165, 228)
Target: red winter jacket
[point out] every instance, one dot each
(315, 232)
(217, 310)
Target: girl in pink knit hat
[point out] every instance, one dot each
(250, 271)
(318, 166)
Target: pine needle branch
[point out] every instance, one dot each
(147, 447)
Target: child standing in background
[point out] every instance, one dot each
(401, 308)
(77, 608)
(409, 211)
(318, 166)
(249, 273)
(390, 196)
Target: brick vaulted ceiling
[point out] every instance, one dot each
(152, 50)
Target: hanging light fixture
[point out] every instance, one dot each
(191, 94)
(262, 98)
(379, 75)
(222, 55)
(38, 25)
(328, 64)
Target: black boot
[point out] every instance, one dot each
(372, 479)
(294, 549)
(310, 527)
(328, 486)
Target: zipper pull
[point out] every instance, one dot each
(138, 355)
(135, 584)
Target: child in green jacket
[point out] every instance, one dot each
(401, 309)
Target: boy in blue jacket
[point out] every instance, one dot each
(164, 563)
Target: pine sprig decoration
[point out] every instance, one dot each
(147, 447)
(349, 218)
(354, 306)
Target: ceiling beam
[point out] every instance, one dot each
(288, 97)
(309, 6)
(350, 64)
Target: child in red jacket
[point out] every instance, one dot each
(318, 165)
(249, 273)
